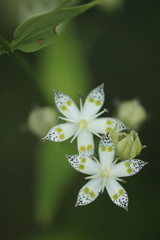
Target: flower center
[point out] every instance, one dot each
(105, 174)
(82, 124)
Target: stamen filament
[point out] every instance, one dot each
(95, 159)
(104, 181)
(98, 114)
(113, 163)
(116, 160)
(67, 119)
(76, 134)
(94, 176)
(80, 99)
(95, 133)
(119, 179)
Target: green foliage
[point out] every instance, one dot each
(63, 68)
(68, 54)
(40, 31)
(53, 177)
(58, 234)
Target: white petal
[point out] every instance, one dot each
(127, 168)
(93, 102)
(85, 142)
(89, 192)
(61, 132)
(117, 193)
(106, 151)
(103, 125)
(83, 164)
(67, 106)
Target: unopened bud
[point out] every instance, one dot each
(40, 120)
(131, 113)
(112, 5)
(127, 146)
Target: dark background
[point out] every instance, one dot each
(122, 50)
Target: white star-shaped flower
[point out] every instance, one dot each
(82, 123)
(104, 174)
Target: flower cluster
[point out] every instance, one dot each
(83, 124)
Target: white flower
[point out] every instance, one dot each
(104, 174)
(84, 123)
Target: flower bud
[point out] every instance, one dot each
(131, 113)
(127, 146)
(40, 120)
(112, 5)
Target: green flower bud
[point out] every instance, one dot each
(41, 120)
(112, 5)
(131, 113)
(127, 146)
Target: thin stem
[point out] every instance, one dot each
(24, 64)
(5, 44)
(27, 67)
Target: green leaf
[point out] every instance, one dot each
(40, 31)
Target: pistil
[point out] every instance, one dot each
(82, 124)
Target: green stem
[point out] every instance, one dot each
(5, 44)
(29, 69)
(22, 61)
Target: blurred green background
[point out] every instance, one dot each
(113, 44)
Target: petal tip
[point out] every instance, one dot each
(101, 86)
(56, 92)
(126, 208)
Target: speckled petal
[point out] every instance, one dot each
(83, 164)
(106, 151)
(127, 168)
(85, 142)
(117, 193)
(89, 192)
(67, 106)
(103, 125)
(93, 102)
(61, 132)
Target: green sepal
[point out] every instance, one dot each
(129, 145)
(136, 146)
(114, 134)
(123, 147)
